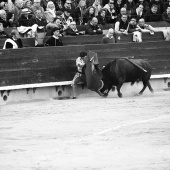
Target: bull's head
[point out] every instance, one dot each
(106, 81)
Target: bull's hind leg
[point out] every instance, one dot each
(145, 83)
(149, 86)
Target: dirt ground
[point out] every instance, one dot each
(89, 133)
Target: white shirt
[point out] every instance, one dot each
(80, 63)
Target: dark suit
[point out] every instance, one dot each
(54, 42)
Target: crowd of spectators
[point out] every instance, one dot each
(66, 14)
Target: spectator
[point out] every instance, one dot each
(138, 13)
(59, 5)
(28, 4)
(166, 15)
(119, 4)
(145, 27)
(72, 30)
(153, 15)
(3, 34)
(39, 20)
(89, 3)
(167, 4)
(109, 37)
(121, 26)
(16, 10)
(111, 12)
(51, 8)
(4, 5)
(13, 42)
(68, 5)
(3, 18)
(48, 16)
(89, 14)
(67, 19)
(44, 4)
(55, 39)
(145, 5)
(93, 28)
(102, 17)
(80, 11)
(97, 7)
(37, 5)
(135, 29)
(57, 23)
(122, 12)
(160, 5)
(26, 19)
(130, 6)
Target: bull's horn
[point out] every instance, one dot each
(102, 84)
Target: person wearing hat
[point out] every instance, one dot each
(55, 39)
(67, 19)
(27, 18)
(72, 30)
(79, 76)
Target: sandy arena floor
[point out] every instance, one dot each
(132, 133)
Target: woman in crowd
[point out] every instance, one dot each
(130, 6)
(138, 13)
(102, 17)
(97, 7)
(89, 14)
(51, 8)
(80, 11)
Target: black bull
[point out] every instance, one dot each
(115, 73)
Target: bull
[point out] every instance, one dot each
(122, 70)
(115, 73)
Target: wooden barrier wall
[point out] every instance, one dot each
(56, 64)
(27, 42)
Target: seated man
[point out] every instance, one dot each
(39, 20)
(123, 11)
(121, 26)
(92, 28)
(135, 29)
(79, 76)
(55, 39)
(13, 42)
(153, 14)
(166, 15)
(72, 30)
(145, 27)
(109, 37)
(3, 34)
